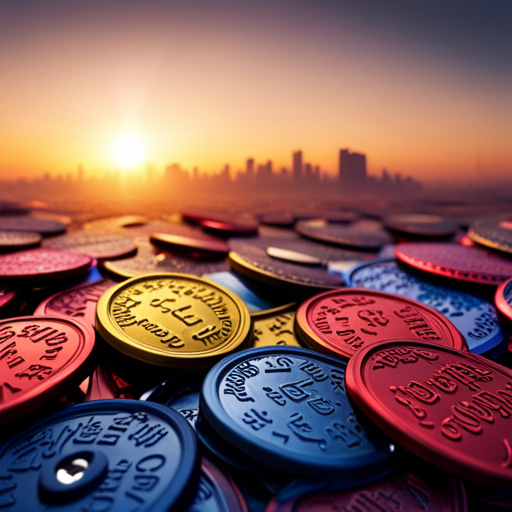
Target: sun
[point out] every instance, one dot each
(128, 151)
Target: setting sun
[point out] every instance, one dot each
(128, 151)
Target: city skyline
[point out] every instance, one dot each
(422, 88)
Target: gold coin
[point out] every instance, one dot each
(275, 329)
(173, 319)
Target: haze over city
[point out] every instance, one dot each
(421, 89)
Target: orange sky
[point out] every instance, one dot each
(206, 93)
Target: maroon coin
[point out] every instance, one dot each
(407, 491)
(97, 245)
(190, 245)
(18, 240)
(344, 321)
(38, 265)
(503, 300)
(420, 225)
(78, 302)
(105, 385)
(279, 219)
(452, 408)
(364, 234)
(42, 357)
(457, 262)
(217, 490)
(222, 223)
(31, 224)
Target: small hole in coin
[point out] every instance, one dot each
(72, 471)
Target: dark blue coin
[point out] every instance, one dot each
(287, 406)
(182, 397)
(114, 455)
(472, 315)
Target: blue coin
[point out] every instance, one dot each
(473, 316)
(183, 398)
(114, 455)
(287, 406)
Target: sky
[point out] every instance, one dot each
(421, 87)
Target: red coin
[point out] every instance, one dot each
(43, 264)
(6, 296)
(41, 357)
(457, 262)
(503, 300)
(407, 491)
(223, 223)
(78, 302)
(342, 322)
(207, 247)
(449, 407)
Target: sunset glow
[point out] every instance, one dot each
(128, 152)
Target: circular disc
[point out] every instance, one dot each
(212, 247)
(78, 302)
(456, 262)
(342, 322)
(97, 245)
(43, 264)
(449, 407)
(31, 224)
(216, 491)
(17, 240)
(286, 406)
(173, 319)
(251, 258)
(493, 232)
(365, 235)
(279, 219)
(473, 316)
(276, 329)
(503, 299)
(407, 491)
(43, 356)
(120, 454)
(222, 222)
(420, 225)
(147, 262)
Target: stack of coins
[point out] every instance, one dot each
(256, 361)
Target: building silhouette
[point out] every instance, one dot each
(352, 170)
(297, 166)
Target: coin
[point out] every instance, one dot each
(17, 240)
(173, 320)
(38, 265)
(342, 322)
(276, 329)
(366, 235)
(421, 225)
(495, 232)
(78, 302)
(286, 406)
(250, 257)
(97, 245)
(42, 356)
(503, 300)
(118, 454)
(451, 408)
(31, 224)
(222, 223)
(456, 262)
(472, 315)
(213, 248)
(410, 491)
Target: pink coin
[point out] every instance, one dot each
(42, 265)
(456, 261)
